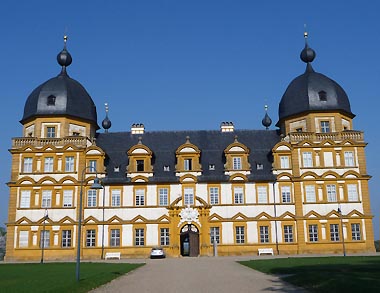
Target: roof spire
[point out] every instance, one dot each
(266, 120)
(307, 54)
(64, 58)
(106, 123)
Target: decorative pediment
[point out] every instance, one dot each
(313, 214)
(24, 221)
(284, 177)
(139, 219)
(288, 215)
(263, 216)
(91, 220)
(215, 217)
(164, 219)
(355, 214)
(67, 220)
(238, 177)
(47, 180)
(239, 217)
(188, 178)
(140, 178)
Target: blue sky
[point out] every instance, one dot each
(189, 64)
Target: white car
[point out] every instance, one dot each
(157, 252)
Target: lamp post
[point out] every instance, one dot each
(341, 224)
(275, 217)
(95, 185)
(43, 236)
(104, 195)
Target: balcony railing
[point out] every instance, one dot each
(79, 141)
(335, 136)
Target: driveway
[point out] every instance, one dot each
(196, 275)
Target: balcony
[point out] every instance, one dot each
(357, 136)
(79, 141)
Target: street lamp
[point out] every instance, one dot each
(95, 185)
(341, 224)
(43, 236)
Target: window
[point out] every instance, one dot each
(90, 238)
(238, 195)
(50, 132)
(259, 166)
(166, 168)
(236, 163)
(214, 195)
(48, 167)
(262, 194)
(51, 100)
(164, 238)
(139, 165)
(214, 235)
(140, 197)
(91, 198)
(115, 237)
(163, 196)
(310, 193)
(115, 197)
(211, 167)
(189, 196)
(285, 194)
(264, 234)
(334, 232)
(322, 96)
(355, 230)
(23, 239)
(325, 126)
(307, 159)
(331, 193)
(28, 165)
(45, 239)
(46, 199)
(187, 164)
(69, 165)
(352, 190)
(25, 199)
(239, 234)
(313, 233)
(67, 198)
(284, 162)
(139, 237)
(349, 159)
(299, 129)
(66, 238)
(288, 233)
(92, 166)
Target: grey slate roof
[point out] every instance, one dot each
(212, 144)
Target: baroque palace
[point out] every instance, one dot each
(302, 188)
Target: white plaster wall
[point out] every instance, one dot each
(151, 196)
(250, 193)
(226, 194)
(324, 209)
(252, 236)
(127, 236)
(152, 234)
(227, 233)
(201, 191)
(128, 195)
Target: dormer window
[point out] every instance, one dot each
(211, 167)
(140, 165)
(51, 100)
(325, 126)
(166, 168)
(116, 169)
(76, 133)
(50, 132)
(322, 96)
(187, 164)
(259, 166)
(299, 129)
(237, 163)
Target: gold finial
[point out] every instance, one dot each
(236, 138)
(187, 139)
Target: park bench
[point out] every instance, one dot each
(112, 255)
(265, 251)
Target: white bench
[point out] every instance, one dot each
(112, 255)
(265, 251)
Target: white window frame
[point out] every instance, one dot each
(284, 162)
(187, 164)
(115, 197)
(262, 194)
(214, 235)
(163, 196)
(28, 165)
(115, 238)
(288, 233)
(69, 164)
(313, 233)
(240, 234)
(66, 238)
(25, 199)
(45, 238)
(23, 239)
(164, 236)
(355, 232)
(91, 168)
(286, 196)
(139, 237)
(214, 195)
(48, 164)
(188, 196)
(331, 193)
(352, 192)
(140, 197)
(236, 163)
(51, 132)
(349, 159)
(46, 199)
(67, 198)
(325, 126)
(92, 198)
(91, 238)
(264, 234)
(310, 195)
(307, 159)
(334, 232)
(238, 195)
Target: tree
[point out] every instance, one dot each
(2, 242)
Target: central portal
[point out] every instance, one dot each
(189, 240)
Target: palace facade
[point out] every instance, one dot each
(302, 188)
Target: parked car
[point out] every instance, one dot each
(157, 252)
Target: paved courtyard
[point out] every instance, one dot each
(196, 275)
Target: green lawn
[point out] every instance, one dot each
(59, 277)
(325, 274)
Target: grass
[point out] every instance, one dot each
(325, 274)
(59, 277)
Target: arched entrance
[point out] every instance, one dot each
(189, 240)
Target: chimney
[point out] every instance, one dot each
(137, 128)
(227, 127)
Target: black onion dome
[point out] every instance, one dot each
(313, 92)
(266, 121)
(106, 123)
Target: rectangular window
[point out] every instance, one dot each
(214, 195)
(115, 197)
(352, 190)
(48, 166)
(90, 238)
(91, 198)
(163, 194)
(349, 159)
(91, 166)
(187, 164)
(28, 165)
(288, 233)
(331, 193)
(313, 233)
(262, 196)
(45, 239)
(238, 195)
(214, 234)
(285, 194)
(189, 196)
(69, 164)
(115, 238)
(334, 232)
(67, 198)
(66, 238)
(240, 237)
(264, 234)
(325, 126)
(236, 163)
(23, 239)
(310, 193)
(139, 237)
(50, 132)
(164, 236)
(284, 161)
(46, 199)
(140, 197)
(307, 159)
(140, 165)
(25, 199)
(355, 230)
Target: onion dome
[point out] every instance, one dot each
(313, 92)
(106, 123)
(61, 96)
(266, 120)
